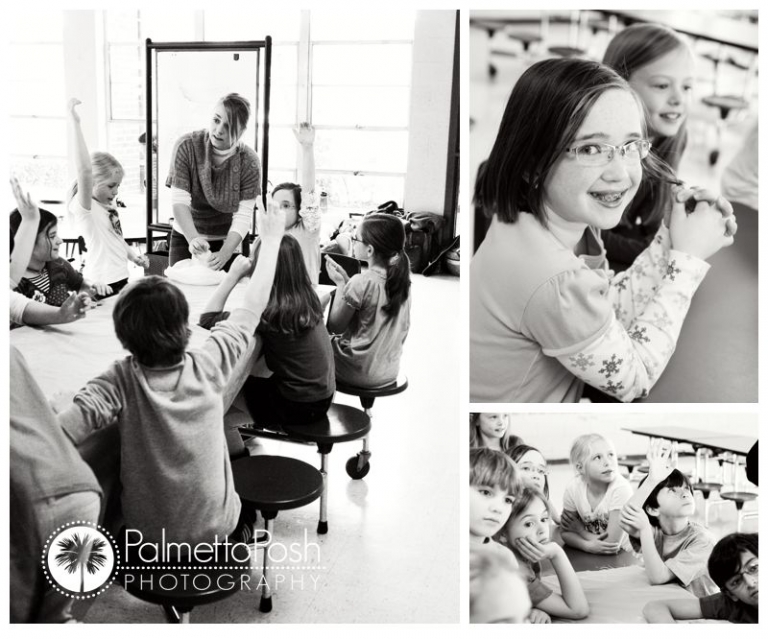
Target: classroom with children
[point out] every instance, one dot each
(614, 170)
(613, 518)
(234, 241)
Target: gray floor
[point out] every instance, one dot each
(392, 551)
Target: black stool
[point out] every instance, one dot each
(341, 424)
(358, 466)
(270, 484)
(182, 584)
(739, 498)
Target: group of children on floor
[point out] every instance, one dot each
(586, 207)
(165, 398)
(513, 528)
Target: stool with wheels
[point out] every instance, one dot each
(341, 424)
(270, 484)
(359, 465)
(179, 585)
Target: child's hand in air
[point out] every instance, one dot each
(26, 205)
(539, 616)
(701, 233)
(72, 109)
(659, 466)
(337, 274)
(239, 268)
(305, 133)
(598, 546)
(633, 520)
(141, 260)
(270, 223)
(534, 551)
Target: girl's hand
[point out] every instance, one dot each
(721, 204)
(26, 205)
(74, 307)
(141, 260)
(701, 233)
(240, 267)
(71, 108)
(571, 522)
(337, 274)
(539, 616)
(218, 260)
(305, 134)
(101, 289)
(199, 245)
(270, 223)
(534, 551)
(633, 520)
(599, 546)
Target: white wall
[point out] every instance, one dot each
(553, 433)
(430, 114)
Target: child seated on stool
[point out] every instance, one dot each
(593, 500)
(657, 518)
(497, 593)
(167, 402)
(734, 568)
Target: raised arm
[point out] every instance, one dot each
(24, 240)
(305, 136)
(81, 156)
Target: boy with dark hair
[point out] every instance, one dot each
(733, 565)
(657, 518)
(167, 402)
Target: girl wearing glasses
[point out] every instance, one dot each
(533, 468)
(658, 64)
(546, 315)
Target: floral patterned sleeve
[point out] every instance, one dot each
(575, 319)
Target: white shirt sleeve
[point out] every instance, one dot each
(18, 303)
(242, 219)
(180, 196)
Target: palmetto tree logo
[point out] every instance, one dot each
(80, 559)
(83, 553)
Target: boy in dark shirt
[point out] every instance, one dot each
(733, 565)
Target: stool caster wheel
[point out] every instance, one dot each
(322, 527)
(354, 471)
(265, 605)
(713, 156)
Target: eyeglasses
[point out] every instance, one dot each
(534, 470)
(737, 581)
(354, 239)
(593, 154)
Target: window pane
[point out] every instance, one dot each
(282, 150)
(361, 193)
(383, 151)
(284, 89)
(36, 98)
(37, 136)
(35, 63)
(361, 64)
(122, 26)
(168, 26)
(368, 25)
(358, 106)
(253, 25)
(27, 26)
(126, 81)
(46, 178)
(123, 143)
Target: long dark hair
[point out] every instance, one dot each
(47, 220)
(386, 235)
(630, 50)
(516, 454)
(293, 304)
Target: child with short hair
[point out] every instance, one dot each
(91, 200)
(733, 566)
(167, 402)
(494, 484)
(497, 593)
(527, 532)
(546, 314)
(490, 430)
(593, 500)
(371, 311)
(657, 518)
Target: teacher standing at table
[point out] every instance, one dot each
(214, 181)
